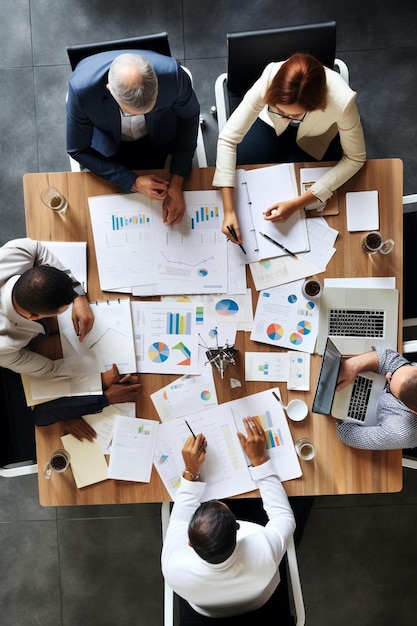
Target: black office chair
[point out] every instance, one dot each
(249, 52)
(157, 42)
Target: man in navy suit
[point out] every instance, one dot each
(129, 110)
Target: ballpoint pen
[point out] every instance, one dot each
(202, 449)
(233, 233)
(279, 245)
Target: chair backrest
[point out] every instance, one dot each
(157, 43)
(249, 52)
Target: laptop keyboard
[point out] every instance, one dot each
(349, 323)
(360, 398)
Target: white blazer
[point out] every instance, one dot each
(314, 134)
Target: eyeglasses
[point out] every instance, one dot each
(292, 118)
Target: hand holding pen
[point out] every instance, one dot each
(233, 233)
(203, 444)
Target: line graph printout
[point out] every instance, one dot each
(110, 340)
(135, 248)
(225, 467)
(166, 337)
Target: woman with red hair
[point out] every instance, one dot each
(298, 110)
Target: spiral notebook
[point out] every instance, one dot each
(258, 189)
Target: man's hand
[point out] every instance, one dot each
(194, 453)
(82, 317)
(151, 186)
(254, 444)
(352, 366)
(79, 428)
(120, 387)
(173, 207)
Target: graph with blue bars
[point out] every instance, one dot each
(204, 215)
(133, 221)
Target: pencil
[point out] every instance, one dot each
(233, 233)
(279, 245)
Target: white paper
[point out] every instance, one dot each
(226, 308)
(73, 254)
(135, 248)
(256, 190)
(266, 366)
(286, 319)
(132, 449)
(225, 469)
(110, 340)
(278, 271)
(166, 336)
(185, 395)
(46, 389)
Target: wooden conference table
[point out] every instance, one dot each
(337, 469)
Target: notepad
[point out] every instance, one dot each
(88, 462)
(362, 210)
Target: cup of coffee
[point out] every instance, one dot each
(58, 463)
(312, 289)
(372, 242)
(54, 200)
(305, 449)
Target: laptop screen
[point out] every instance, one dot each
(326, 385)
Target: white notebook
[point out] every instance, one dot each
(362, 210)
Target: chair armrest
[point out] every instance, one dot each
(220, 100)
(341, 67)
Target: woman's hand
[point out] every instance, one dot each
(281, 211)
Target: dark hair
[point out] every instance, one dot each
(408, 392)
(212, 531)
(300, 80)
(43, 290)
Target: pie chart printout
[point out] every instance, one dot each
(158, 352)
(275, 331)
(227, 307)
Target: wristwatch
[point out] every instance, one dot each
(190, 476)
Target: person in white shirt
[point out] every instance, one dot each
(221, 566)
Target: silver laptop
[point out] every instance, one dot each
(356, 319)
(355, 403)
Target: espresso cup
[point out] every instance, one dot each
(58, 463)
(305, 449)
(312, 289)
(54, 200)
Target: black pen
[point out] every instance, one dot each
(233, 233)
(279, 245)
(192, 432)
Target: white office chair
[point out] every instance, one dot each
(18, 469)
(294, 578)
(250, 52)
(157, 42)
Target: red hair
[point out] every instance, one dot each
(300, 80)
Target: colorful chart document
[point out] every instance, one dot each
(285, 318)
(225, 469)
(134, 247)
(166, 336)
